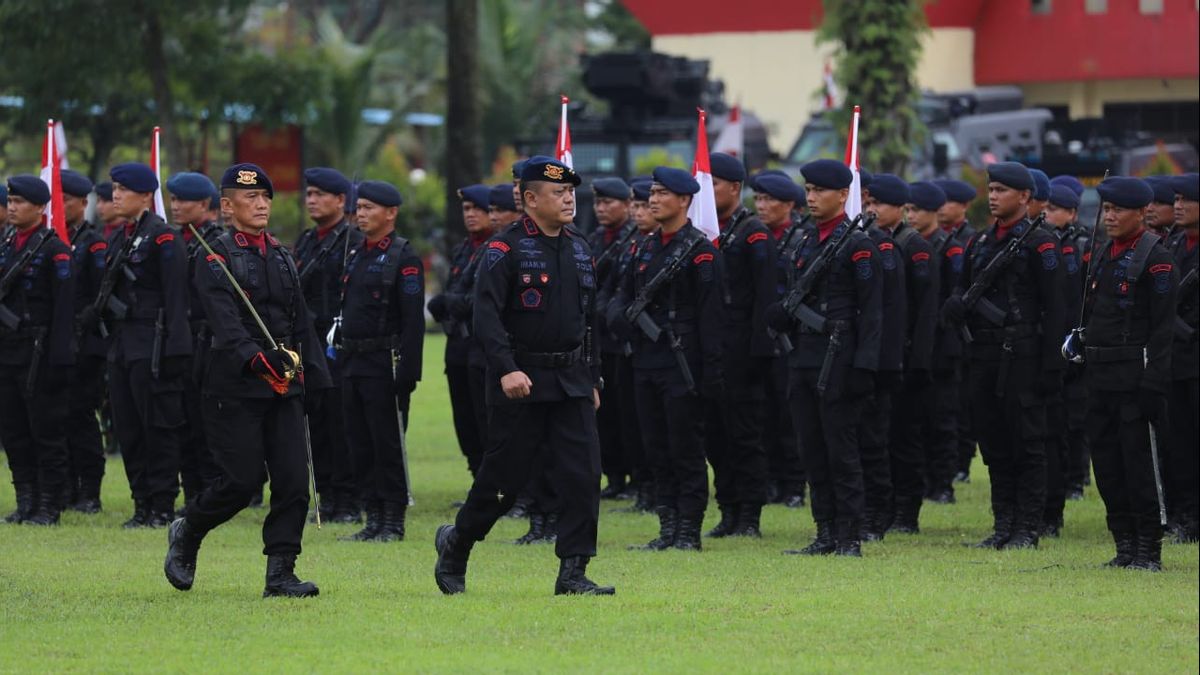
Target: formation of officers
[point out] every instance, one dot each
(853, 364)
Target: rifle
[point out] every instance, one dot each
(973, 299)
(1072, 348)
(8, 318)
(615, 249)
(309, 268)
(636, 311)
(814, 271)
(105, 299)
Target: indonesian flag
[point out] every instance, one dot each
(854, 199)
(60, 144)
(562, 148)
(159, 209)
(703, 211)
(831, 91)
(52, 176)
(730, 140)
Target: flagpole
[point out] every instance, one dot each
(159, 208)
(854, 199)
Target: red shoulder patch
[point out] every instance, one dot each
(920, 256)
(886, 246)
(98, 246)
(1068, 250)
(1047, 246)
(164, 238)
(1161, 267)
(214, 256)
(953, 251)
(409, 271)
(499, 245)
(860, 255)
(757, 236)
(702, 258)
(61, 257)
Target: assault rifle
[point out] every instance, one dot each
(973, 300)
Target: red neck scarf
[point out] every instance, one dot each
(826, 228)
(1120, 246)
(1002, 229)
(258, 241)
(22, 237)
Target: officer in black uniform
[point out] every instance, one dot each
(151, 349)
(1160, 215)
(379, 347)
(672, 371)
(1128, 319)
(253, 390)
(37, 335)
(1182, 464)
(85, 383)
(1040, 195)
(1015, 363)
(734, 421)
(321, 255)
(190, 196)
(537, 326)
(502, 210)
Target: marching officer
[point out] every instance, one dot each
(379, 346)
(143, 303)
(1185, 355)
(1126, 349)
(1160, 215)
(37, 335)
(321, 255)
(836, 355)
(254, 387)
(537, 327)
(676, 284)
(1016, 328)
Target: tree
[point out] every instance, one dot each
(878, 44)
(463, 152)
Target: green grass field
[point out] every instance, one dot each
(89, 596)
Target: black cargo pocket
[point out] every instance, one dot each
(166, 409)
(1033, 416)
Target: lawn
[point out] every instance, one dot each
(89, 596)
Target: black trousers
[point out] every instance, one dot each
(906, 442)
(631, 428)
(149, 418)
(1010, 419)
(1057, 452)
(829, 445)
(784, 466)
(32, 426)
(243, 434)
(333, 465)
(941, 431)
(197, 470)
(873, 431)
(968, 438)
(85, 386)
(672, 434)
(1181, 465)
(1119, 437)
(471, 438)
(608, 424)
(733, 429)
(373, 434)
(519, 432)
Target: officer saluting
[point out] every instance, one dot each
(264, 356)
(535, 316)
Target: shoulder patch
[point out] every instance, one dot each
(61, 257)
(164, 238)
(1047, 246)
(861, 255)
(1049, 256)
(756, 236)
(409, 271)
(886, 246)
(702, 258)
(920, 256)
(1162, 277)
(953, 251)
(1161, 267)
(98, 246)
(498, 245)
(214, 257)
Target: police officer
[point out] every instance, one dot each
(1040, 194)
(146, 270)
(1182, 463)
(37, 326)
(1015, 363)
(321, 255)
(253, 389)
(1128, 318)
(85, 382)
(679, 363)
(379, 346)
(536, 326)
(109, 220)
(734, 420)
(502, 210)
(4, 206)
(1160, 215)
(833, 365)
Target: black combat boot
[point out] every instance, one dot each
(848, 543)
(162, 512)
(450, 571)
(551, 535)
(347, 509)
(1025, 535)
(141, 515)
(687, 533)
(1188, 532)
(871, 529)
(1149, 549)
(49, 508)
(645, 496)
(942, 496)
(256, 500)
(89, 500)
(573, 581)
(392, 528)
(749, 517)
(1126, 542)
(369, 532)
(728, 522)
(1052, 527)
(183, 544)
(26, 503)
(1001, 533)
(328, 507)
(667, 529)
(907, 516)
(537, 530)
(282, 581)
(615, 488)
(520, 508)
(822, 544)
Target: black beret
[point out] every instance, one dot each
(191, 187)
(477, 194)
(890, 189)
(1126, 192)
(1187, 185)
(517, 167)
(925, 195)
(327, 179)
(676, 180)
(135, 176)
(247, 176)
(75, 183)
(3, 195)
(1070, 182)
(641, 189)
(611, 187)
(386, 194)
(1041, 185)
(957, 190)
(865, 178)
(549, 170)
(1061, 195)
(827, 173)
(1012, 174)
(767, 172)
(32, 188)
(501, 197)
(104, 191)
(782, 188)
(727, 167)
(643, 178)
(1163, 192)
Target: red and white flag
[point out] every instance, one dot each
(562, 148)
(703, 211)
(854, 199)
(831, 91)
(731, 140)
(60, 144)
(159, 209)
(52, 176)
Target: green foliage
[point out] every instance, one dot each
(424, 193)
(877, 48)
(1161, 164)
(977, 211)
(658, 157)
